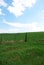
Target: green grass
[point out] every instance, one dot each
(18, 52)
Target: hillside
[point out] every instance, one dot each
(15, 51)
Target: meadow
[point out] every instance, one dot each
(15, 51)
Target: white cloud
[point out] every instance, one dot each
(21, 25)
(20, 5)
(24, 27)
(3, 3)
(8, 31)
(1, 12)
(3, 31)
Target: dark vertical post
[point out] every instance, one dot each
(25, 37)
(0, 38)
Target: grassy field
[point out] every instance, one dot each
(15, 51)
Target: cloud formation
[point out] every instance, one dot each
(19, 6)
(3, 3)
(24, 27)
(21, 25)
(1, 13)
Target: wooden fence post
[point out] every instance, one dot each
(25, 37)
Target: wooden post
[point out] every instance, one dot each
(25, 37)
(0, 38)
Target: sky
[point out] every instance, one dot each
(21, 16)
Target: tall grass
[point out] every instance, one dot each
(20, 52)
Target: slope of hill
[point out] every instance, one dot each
(15, 51)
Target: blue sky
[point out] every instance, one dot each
(21, 16)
